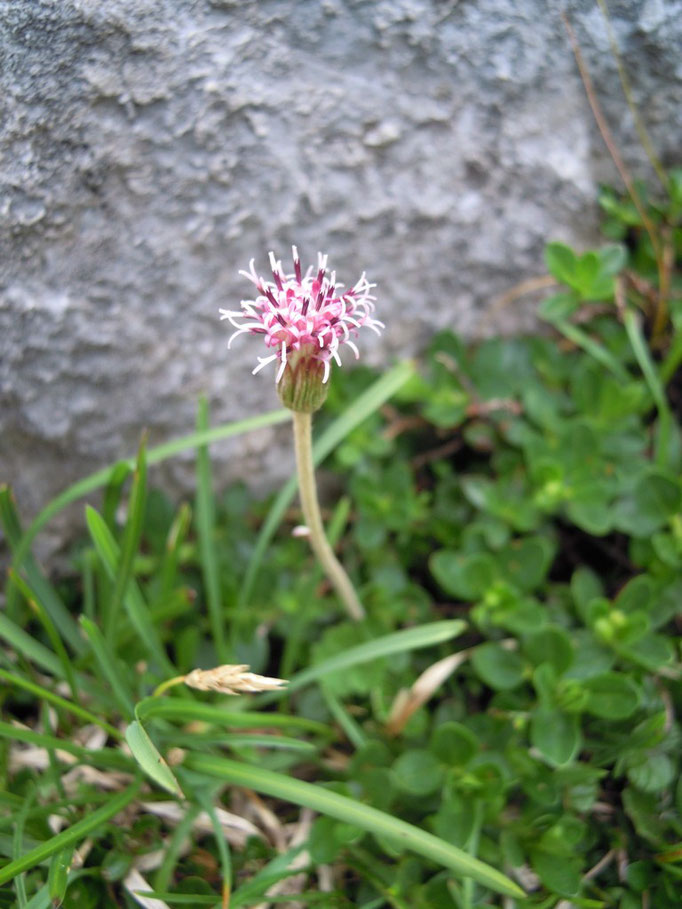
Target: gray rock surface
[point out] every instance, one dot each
(150, 148)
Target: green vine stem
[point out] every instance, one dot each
(303, 441)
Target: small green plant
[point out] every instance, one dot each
(511, 515)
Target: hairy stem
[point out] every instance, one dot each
(303, 442)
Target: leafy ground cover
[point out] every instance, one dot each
(511, 513)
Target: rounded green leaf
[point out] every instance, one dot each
(636, 595)
(499, 668)
(418, 772)
(612, 696)
(550, 645)
(556, 735)
(652, 772)
(464, 576)
(585, 587)
(454, 744)
(560, 875)
(655, 498)
(525, 561)
(561, 262)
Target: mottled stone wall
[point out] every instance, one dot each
(150, 148)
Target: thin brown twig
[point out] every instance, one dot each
(527, 286)
(603, 862)
(661, 310)
(437, 454)
(647, 144)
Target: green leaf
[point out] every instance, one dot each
(586, 274)
(559, 306)
(644, 811)
(154, 456)
(590, 513)
(585, 587)
(561, 877)
(612, 696)
(652, 651)
(187, 711)
(561, 262)
(356, 813)
(31, 649)
(642, 353)
(88, 826)
(42, 590)
(205, 515)
(111, 498)
(131, 540)
(612, 258)
(550, 645)
(556, 735)
(398, 642)
(525, 561)
(464, 576)
(147, 756)
(58, 875)
(417, 772)
(110, 671)
(636, 596)
(500, 668)
(596, 350)
(171, 557)
(43, 694)
(454, 744)
(253, 890)
(651, 772)
(36, 606)
(138, 612)
(657, 496)
(590, 657)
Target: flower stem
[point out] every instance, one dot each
(303, 441)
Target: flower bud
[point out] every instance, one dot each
(302, 387)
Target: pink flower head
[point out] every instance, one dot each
(308, 313)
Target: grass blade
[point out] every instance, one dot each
(171, 558)
(596, 350)
(643, 357)
(173, 851)
(129, 544)
(50, 630)
(351, 729)
(27, 645)
(17, 844)
(154, 456)
(42, 589)
(138, 613)
(58, 875)
(194, 711)
(237, 741)
(276, 870)
(360, 815)
(108, 668)
(207, 803)
(78, 831)
(205, 513)
(45, 695)
(113, 490)
(397, 642)
(365, 405)
(105, 757)
(148, 757)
